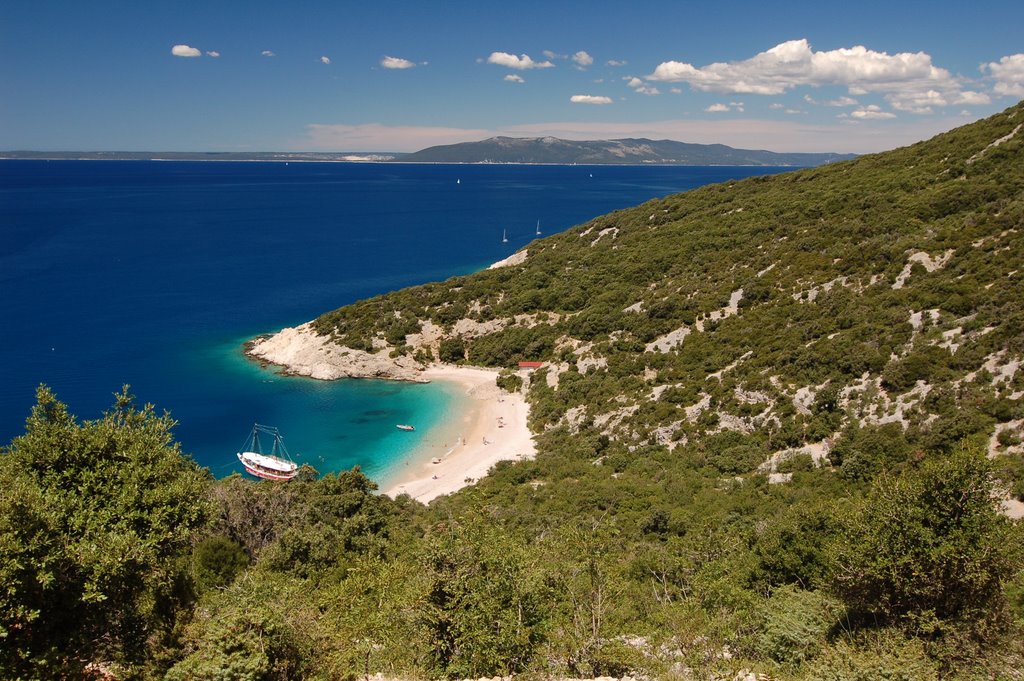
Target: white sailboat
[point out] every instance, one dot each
(538, 228)
(504, 236)
(274, 465)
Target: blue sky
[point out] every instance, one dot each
(398, 76)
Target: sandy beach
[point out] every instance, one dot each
(492, 430)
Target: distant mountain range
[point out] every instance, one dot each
(621, 151)
(550, 150)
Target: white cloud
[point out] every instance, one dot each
(325, 60)
(520, 63)
(396, 63)
(922, 102)
(582, 59)
(213, 53)
(640, 87)
(514, 78)
(676, 91)
(871, 112)
(616, 62)
(1008, 73)
(185, 51)
(268, 53)
(909, 81)
(554, 55)
(719, 107)
(841, 101)
(590, 99)
(776, 106)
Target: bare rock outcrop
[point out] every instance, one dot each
(302, 352)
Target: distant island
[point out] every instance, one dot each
(526, 150)
(629, 151)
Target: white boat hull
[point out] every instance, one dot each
(268, 467)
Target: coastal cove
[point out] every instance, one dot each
(156, 274)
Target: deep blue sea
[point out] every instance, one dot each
(154, 274)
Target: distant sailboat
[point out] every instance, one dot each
(538, 228)
(504, 236)
(459, 181)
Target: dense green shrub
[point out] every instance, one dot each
(509, 381)
(794, 624)
(94, 520)
(451, 350)
(928, 547)
(216, 561)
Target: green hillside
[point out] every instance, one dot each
(779, 437)
(772, 313)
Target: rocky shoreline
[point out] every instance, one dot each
(300, 351)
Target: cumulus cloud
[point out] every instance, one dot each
(325, 60)
(396, 63)
(520, 63)
(923, 102)
(909, 81)
(554, 55)
(839, 101)
(719, 107)
(1008, 73)
(268, 53)
(514, 78)
(582, 59)
(213, 53)
(590, 99)
(640, 87)
(185, 51)
(616, 62)
(776, 106)
(871, 112)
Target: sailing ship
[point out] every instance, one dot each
(504, 236)
(274, 464)
(538, 228)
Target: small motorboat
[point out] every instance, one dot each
(402, 426)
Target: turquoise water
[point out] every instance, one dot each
(335, 424)
(154, 274)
